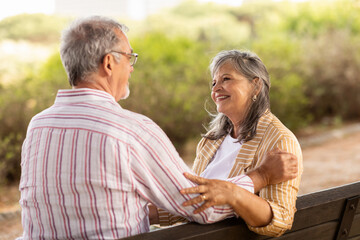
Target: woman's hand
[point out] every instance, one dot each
(250, 207)
(213, 192)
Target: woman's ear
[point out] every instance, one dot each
(257, 85)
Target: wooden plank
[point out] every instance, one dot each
(328, 195)
(323, 206)
(355, 238)
(320, 232)
(228, 229)
(236, 232)
(237, 228)
(319, 212)
(355, 227)
(347, 218)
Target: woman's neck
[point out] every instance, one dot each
(235, 132)
(236, 126)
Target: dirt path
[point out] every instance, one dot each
(333, 163)
(11, 228)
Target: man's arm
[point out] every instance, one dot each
(157, 173)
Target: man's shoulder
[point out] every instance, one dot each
(134, 119)
(134, 128)
(121, 121)
(108, 119)
(41, 114)
(140, 118)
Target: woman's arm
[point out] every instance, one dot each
(282, 196)
(270, 214)
(254, 210)
(278, 166)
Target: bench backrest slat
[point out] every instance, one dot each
(318, 217)
(323, 231)
(355, 228)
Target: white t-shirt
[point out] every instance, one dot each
(223, 160)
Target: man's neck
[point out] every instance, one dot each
(97, 85)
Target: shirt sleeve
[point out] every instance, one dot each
(282, 197)
(157, 170)
(168, 219)
(243, 181)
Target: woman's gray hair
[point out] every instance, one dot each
(249, 65)
(84, 44)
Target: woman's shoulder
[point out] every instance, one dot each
(277, 135)
(278, 128)
(204, 142)
(209, 144)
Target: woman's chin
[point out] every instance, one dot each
(222, 110)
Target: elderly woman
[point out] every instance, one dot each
(239, 137)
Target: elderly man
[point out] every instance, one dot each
(90, 167)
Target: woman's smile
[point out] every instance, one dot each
(220, 97)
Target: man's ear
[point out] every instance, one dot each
(107, 64)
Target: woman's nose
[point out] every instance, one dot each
(216, 87)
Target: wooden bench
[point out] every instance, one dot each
(330, 214)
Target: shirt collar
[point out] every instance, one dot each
(83, 94)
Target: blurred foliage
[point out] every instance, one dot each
(287, 86)
(170, 83)
(209, 23)
(331, 75)
(311, 50)
(316, 18)
(19, 102)
(39, 28)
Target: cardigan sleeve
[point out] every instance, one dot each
(282, 197)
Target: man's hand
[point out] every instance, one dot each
(278, 166)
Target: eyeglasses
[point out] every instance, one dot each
(133, 56)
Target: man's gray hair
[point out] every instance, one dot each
(249, 65)
(84, 44)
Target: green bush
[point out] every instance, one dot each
(10, 151)
(331, 75)
(14, 109)
(310, 50)
(314, 18)
(19, 102)
(32, 27)
(170, 84)
(287, 85)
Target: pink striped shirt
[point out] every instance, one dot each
(89, 169)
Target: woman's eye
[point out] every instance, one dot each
(226, 78)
